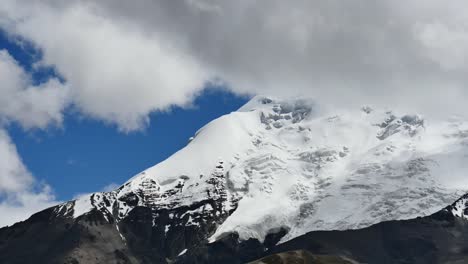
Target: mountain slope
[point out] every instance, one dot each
(292, 164)
(270, 172)
(301, 256)
(45, 238)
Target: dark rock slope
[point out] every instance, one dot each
(438, 238)
(91, 238)
(301, 257)
(48, 237)
(148, 233)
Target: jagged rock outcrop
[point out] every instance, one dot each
(115, 228)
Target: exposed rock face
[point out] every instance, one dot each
(131, 228)
(148, 235)
(460, 207)
(409, 124)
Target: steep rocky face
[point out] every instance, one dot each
(460, 207)
(131, 228)
(176, 229)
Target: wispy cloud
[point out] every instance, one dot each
(110, 187)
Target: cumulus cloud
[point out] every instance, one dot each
(118, 72)
(20, 194)
(29, 105)
(126, 59)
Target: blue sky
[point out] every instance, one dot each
(86, 155)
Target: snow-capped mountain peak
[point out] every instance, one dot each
(293, 164)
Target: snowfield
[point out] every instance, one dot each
(293, 164)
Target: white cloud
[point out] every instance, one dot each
(446, 45)
(31, 106)
(125, 59)
(118, 72)
(14, 176)
(20, 194)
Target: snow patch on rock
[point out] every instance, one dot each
(82, 205)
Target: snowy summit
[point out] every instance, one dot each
(292, 164)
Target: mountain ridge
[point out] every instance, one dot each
(264, 146)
